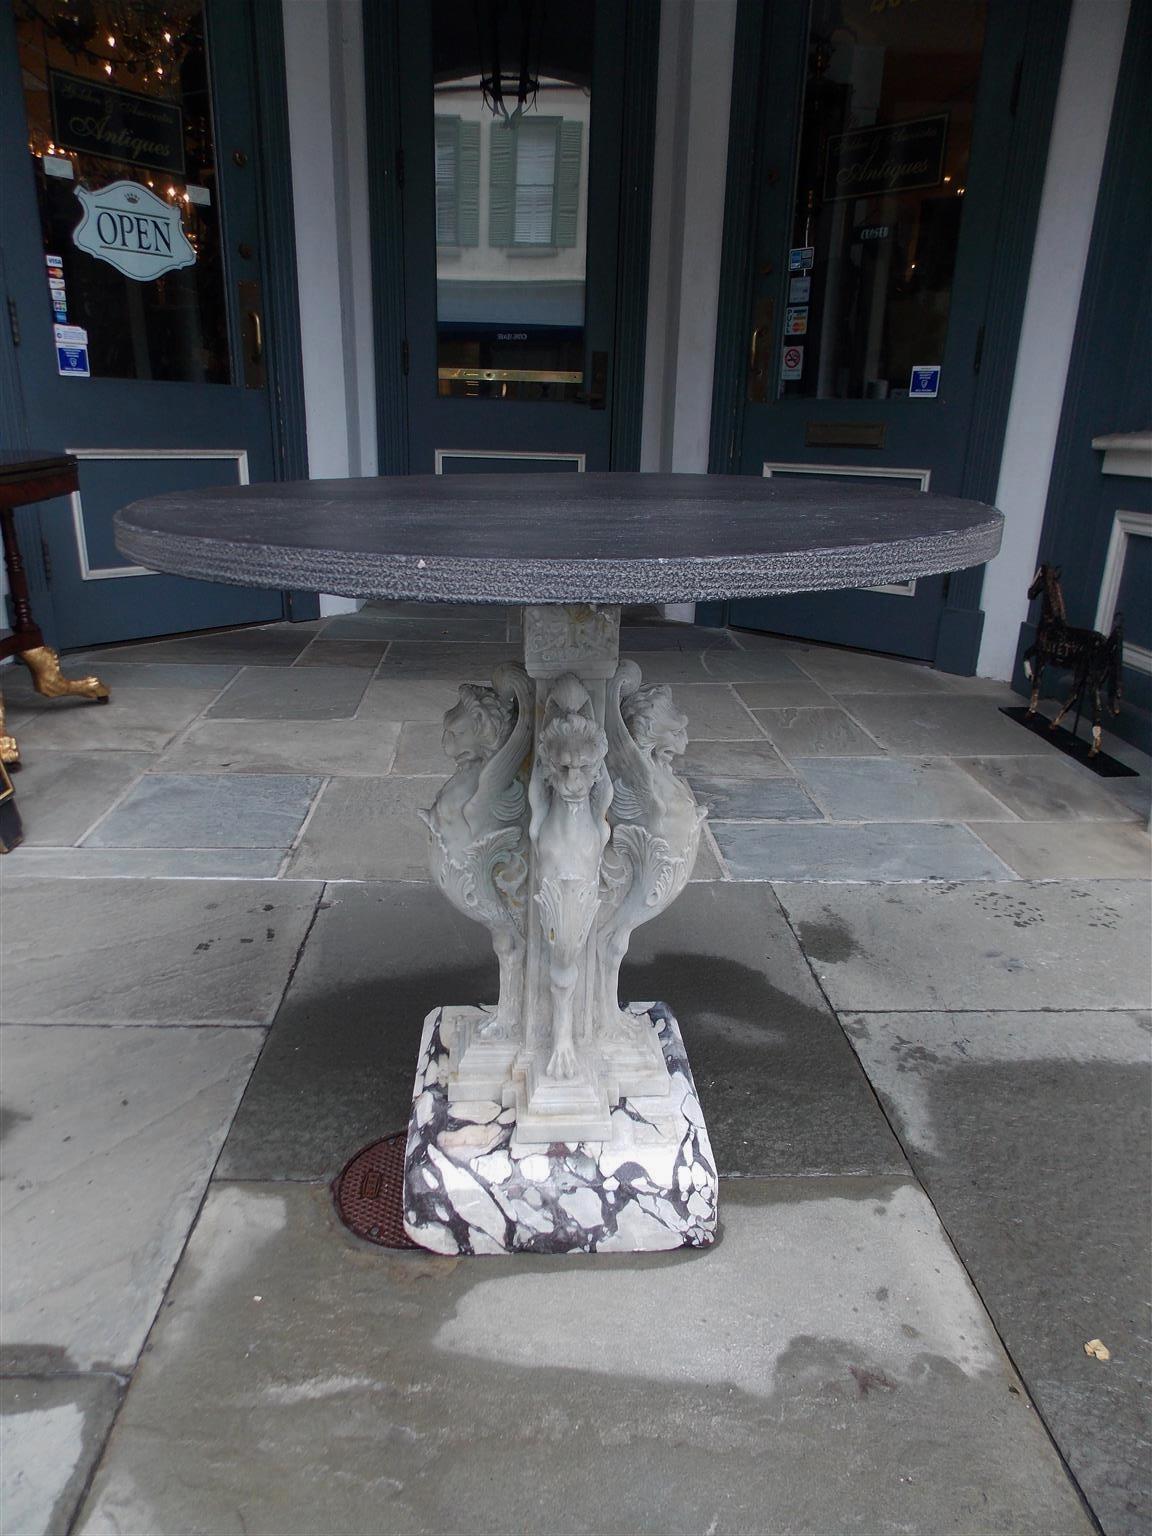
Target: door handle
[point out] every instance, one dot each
(760, 351)
(257, 336)
(252, 342)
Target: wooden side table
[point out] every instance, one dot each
(27, 476)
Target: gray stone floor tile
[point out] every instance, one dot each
(755, 759)
(715, 714)
(259, 646)
(798, 692)
(464, 612)
(812, 732)
(421, 749)
(754, 799)
(357, 748)
(338, 1067)
(112, 1137)
(672, 637)
(148, 863)
(707, 866)
(17, 681)
(1079, 944)
(1048, 788)
(408, 699)
(367, 829)
(675, 668)
(134, 720)
(896, 789)
(1061, 850)
(780, 1089)
(109, 951)
(1031, 1134)
(859, 672)
(60, 794)
(943, 725)
(490, 627)
(744, 666)
(325, 652)
(455, 661)
(895, 851)
(224, 810)
(52, 1431)
(831, 1326)
(292, 693)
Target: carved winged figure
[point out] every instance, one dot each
(477, 824)
(655, 827)
(569, 793)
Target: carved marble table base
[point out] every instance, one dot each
(471, 1187)
(562, 829)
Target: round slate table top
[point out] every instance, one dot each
(558, 538)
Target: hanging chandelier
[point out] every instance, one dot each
(508, 33)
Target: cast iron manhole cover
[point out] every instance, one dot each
(369, 1193)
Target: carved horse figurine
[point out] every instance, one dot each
(569, 793)
(477, 825)
(656, 826)
(1095, 660)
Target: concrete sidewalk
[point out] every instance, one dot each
(912, 974)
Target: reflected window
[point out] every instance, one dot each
(881, 177)
(511, 207)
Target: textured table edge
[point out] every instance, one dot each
(471, 579)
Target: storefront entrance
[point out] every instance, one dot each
(135, 235)
(877, 271)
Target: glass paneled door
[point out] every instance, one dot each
(131, 245)
(879, 187)
(510, 125)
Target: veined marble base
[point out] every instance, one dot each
(470, 1187)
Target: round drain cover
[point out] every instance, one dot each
(369, 1193)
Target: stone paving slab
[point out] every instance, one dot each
(367, 829)
(767, 799)
(929, 724)
(847, 672)
(715, 714)
(748, 666)
(1061, 850)
(898, 851)
(897, 789)
(456, 661)
(324, 652)
(112, 1137)
(812, 731)
(780, 1089)
(225, 810)
(1081, 944)
(148, 863)
(275, 645)
(338, 1068)
(420, 749)
(134, 720)
(1049, 788)
(798, 692)
(61, 794)
(1031, 1134)
(110, 951)
(360, 748)
(829, 1368)
(292, 693)
(119, 675)
(408, 698)
(755, 759)
(51, 1432)
(397, 626)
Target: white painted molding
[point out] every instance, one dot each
(90, 572)
(1125, 526)
(1126, 453)
(579, 459)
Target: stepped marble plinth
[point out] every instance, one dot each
(472, 1187)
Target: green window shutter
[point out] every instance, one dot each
(501, 184)
(468, 184)
(567, 205)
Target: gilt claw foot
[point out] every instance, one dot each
(48, 680)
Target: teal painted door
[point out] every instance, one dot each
(510, 233)
(131, 242)
(879, 189)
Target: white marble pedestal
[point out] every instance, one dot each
(563, 828)
(471, 1186)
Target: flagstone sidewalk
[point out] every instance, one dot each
(912, 972)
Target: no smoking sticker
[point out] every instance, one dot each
(792, 363)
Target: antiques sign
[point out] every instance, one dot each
(132, 230)
(894, 158)
(117, 125)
